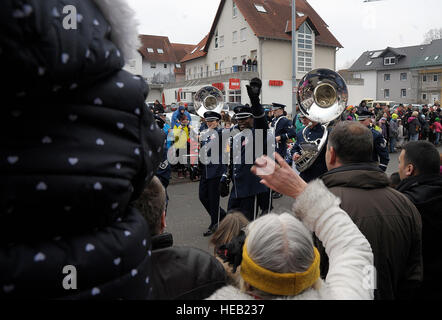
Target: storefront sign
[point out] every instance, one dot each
(234, 84)
(276, 83)
(218, 85)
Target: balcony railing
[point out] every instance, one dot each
(213, 73)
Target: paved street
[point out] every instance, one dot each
(187, 218)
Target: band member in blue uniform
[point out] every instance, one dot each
(211, 168)
(314, 131)
(246, 189)
(380, 151)
(283, 130)
(164, 170)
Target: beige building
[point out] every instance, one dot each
(243, 30)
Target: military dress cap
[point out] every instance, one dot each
(363, 115)
(212, 116)
(242, 112)
(277, 106)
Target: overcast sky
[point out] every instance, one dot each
(357, 25)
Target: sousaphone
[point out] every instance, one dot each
(322, 97)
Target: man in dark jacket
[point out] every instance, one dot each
(80, 146)
(419, 165)
(388, 219)
(178, 273)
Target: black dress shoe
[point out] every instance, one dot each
(208, 232)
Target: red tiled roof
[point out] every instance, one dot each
(273, 23)
(196, 51)
(155, 43)
(181, 50)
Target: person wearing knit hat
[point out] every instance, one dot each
(394, 116)
(278, 260)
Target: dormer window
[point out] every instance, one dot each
(150, 50)
(260, 8)
(389, 61)
(193, 51)
(160, 51)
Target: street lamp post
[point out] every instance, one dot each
(294, 84)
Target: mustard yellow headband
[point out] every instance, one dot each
(284, 284)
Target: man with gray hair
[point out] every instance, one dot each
(387, 218)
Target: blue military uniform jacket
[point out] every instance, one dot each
(380, 152)
(245, 183)
(164, 169)
(211, 142)
(283, 127)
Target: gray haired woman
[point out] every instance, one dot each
(279, 260)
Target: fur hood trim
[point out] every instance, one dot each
(121, 18)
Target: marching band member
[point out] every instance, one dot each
(283, 130)
(247, 192)
(211, 171)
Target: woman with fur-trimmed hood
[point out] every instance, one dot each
(78, 146)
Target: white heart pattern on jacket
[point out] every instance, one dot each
(39, 257)
(120, 85)
(98, 186)
(99, 142)
(73, 161)
(41, 186)
(117, 261)
(12, 159)
(89, 247)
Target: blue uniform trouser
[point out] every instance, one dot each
(209, 197)
(247, 205)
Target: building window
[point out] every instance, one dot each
(234, 10)
(389, 60)
(178, 65)
(435, 78)
(150, 50)
(216, 66)
(132, 63)
(424, 96)
(221, 41)
(424, 78)
(242, 34)
(403, 93)
(183, 95)
(386, 77)
(260, 8)
(369, 63)
(165, 66)
(305, 37)
(234, 36)
(160, 51)
(153, 65)
(234, 61)
(216, 39)
(305, 61)
(403, 76)
(235, 96)
(193, 51)
(386, 93)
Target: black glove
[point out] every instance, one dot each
(254, 89)
(232, 252)
(224, 188)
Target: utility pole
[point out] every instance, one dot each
(294, 84)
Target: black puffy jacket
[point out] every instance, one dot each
(77, 146)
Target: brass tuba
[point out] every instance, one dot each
(322, 97)
(208, 98)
